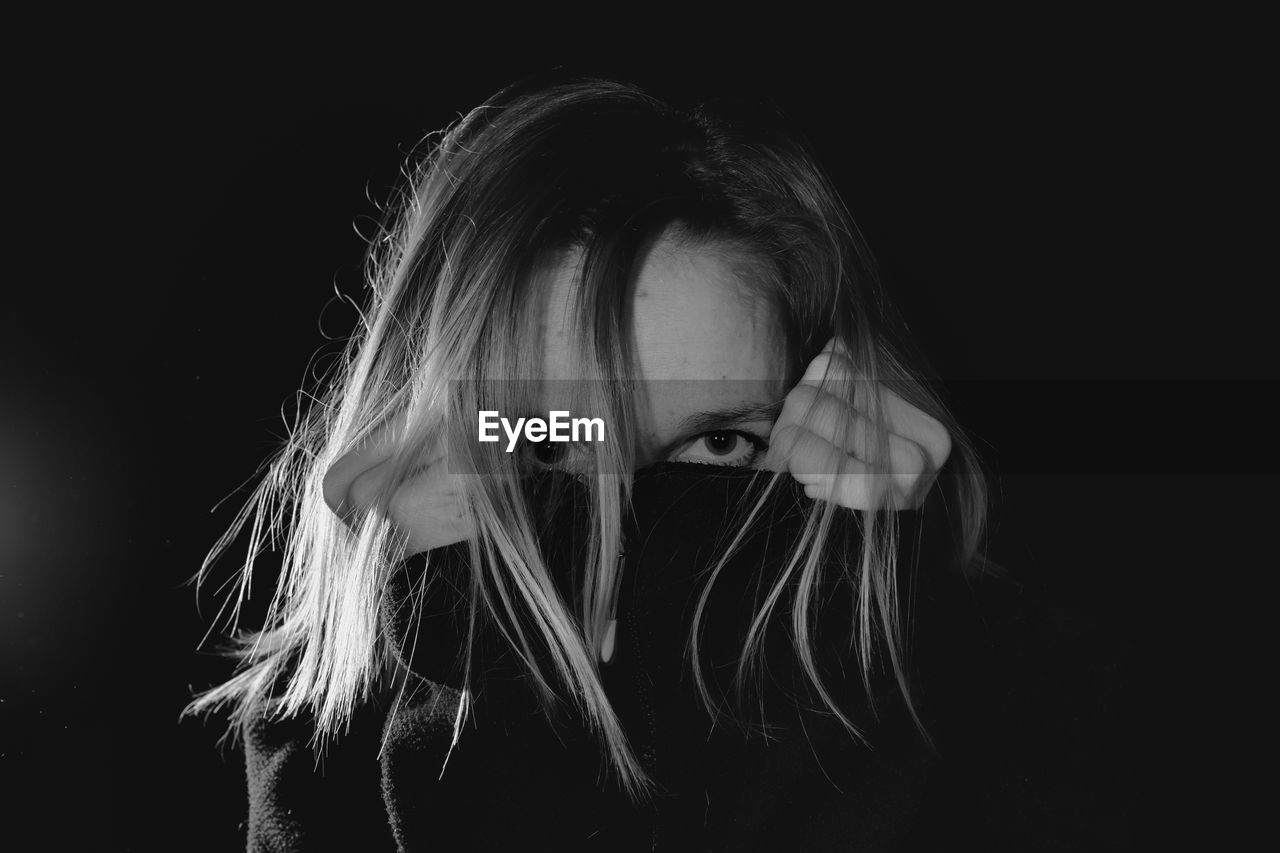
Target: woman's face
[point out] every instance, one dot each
(709, 350)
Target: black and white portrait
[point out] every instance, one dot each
(492, 451)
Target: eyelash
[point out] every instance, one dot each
(759, 445)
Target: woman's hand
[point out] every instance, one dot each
(835, 437)
(426, 509)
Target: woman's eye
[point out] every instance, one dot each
(545, 454)
(731, 448)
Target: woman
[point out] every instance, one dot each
(691, 630)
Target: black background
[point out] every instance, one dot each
(1046, 210)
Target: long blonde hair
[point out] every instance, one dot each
(554, 165)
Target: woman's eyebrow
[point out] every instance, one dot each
(744, 412)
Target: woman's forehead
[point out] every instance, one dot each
(693, 319)
(706, 342)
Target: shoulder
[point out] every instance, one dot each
(1024, 691)
(305, 791)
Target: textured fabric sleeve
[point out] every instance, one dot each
(299, 800)
(424, 613)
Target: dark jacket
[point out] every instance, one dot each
(1018, 706)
